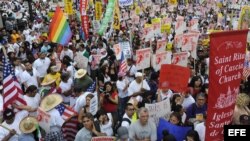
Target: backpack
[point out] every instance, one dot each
(118, 125)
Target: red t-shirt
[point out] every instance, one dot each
(109, 106)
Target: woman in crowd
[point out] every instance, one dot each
(85, 108)
(195, 86)
(192, 135)
(105, 122)
(175, 118)
(175, 100)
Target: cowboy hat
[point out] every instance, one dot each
(54, 68)
(28, 124)
(80, 73)
(51, 101)
(48, 81)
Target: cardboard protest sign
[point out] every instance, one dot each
(43, 119)
(143, 58)
(227, 55)
(178, 41)
(81, 61)
(161, 45)
(156, 22)
(180, 25)
(148, 32)
(93, 107)
(180, 59)
(123, 3)
(161, 58)
(118, 51)
(244, 18)
(174, 77)
(166, 28)
(125, 46)
(189, 41)
(193, 24)
(159, 110)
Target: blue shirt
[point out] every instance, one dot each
(26, 137)
(192, 110)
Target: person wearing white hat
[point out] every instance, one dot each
(82, 79)
(138, 87)
(49, 104)
(27, 126)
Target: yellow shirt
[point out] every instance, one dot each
(14, 37)
(56, 76)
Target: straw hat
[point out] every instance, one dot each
(28, 124)
(48, 81)
(54, 69)
(51, 101)
(80, 73)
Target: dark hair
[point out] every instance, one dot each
(89, 116)
(195, 78)
(167, 136)
(90, 96)
(31, 88)
(64, 76)
(178, 108)
(77, 89)
(173, 104)
(194, 134)
(100, 113)
(108, 83)
(8, 114)
(178, 116)
(128, 104)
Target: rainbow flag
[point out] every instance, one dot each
(59, 28)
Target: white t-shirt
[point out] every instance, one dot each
(65, 87)
(132, 70)
(55, 118)
(33, 102)
(120, 86)
(201, 129)
(166, 95)
(1, 103)
(107, 128)
(135, 87)
(68, 52)
(188, 101)
(80, 102)
(15, 125)
(42, 65)
(125, 123)
(30, 80)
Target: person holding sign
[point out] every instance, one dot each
(138, 87)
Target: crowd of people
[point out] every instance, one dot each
(49, 74)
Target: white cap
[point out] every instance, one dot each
(138, 74)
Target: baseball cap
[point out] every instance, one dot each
(8, 114)
(122, 133)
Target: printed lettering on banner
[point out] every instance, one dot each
(43, 119)
(118, 51)
(227, 55)
(123, 3)
(93, 107)
(161, 58)
(180, 59)
(159, 110)
(143, 58)
(125, 46)
(194, 25)
(178, 41)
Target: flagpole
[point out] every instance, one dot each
(7, 128)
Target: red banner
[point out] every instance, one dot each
(174, 77)
(84, 17)
(227, 54)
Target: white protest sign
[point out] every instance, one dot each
(81, 61)
(180, 25)
(161, 58)
(125, 46)
(143, 58)
(123, 3)
(194, 24)
(43, 119)
(93, 107)
(96, 25)
(159, 110)
(118, 51)
(161, 45)
(180, 59)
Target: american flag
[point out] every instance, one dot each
(246, 73)
(123, 65)
(92, 87)
(65, 111)
(70, 128)
(12, 92)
